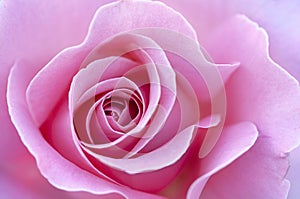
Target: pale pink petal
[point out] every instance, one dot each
(256, 174)
(281, 20)
(83, 88)
(185, 113)
(131, 15)
(234, 141)
(103, 121)
(110, 126)
(202, 14)
(57, 132)
(258, 89)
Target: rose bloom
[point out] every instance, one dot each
(148, 99)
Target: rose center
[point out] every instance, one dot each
(118, 110)
(121, 109)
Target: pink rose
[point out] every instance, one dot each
(130, 99)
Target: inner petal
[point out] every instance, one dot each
(121, 109)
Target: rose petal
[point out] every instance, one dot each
(120, 12)
(256, 174)
(130, 15)
(157, 57)
(146, 51)
(153, 160)
(37, 44)
(14, 187)
(234, 141)
(38, 147)
(259, 96)
(206, 78)
(26, 182)
(258, 88)
(284, 41)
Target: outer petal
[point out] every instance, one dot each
(257, 92)
(219, 12)
(234, 141)
(35, 31)
(281, 20)
(257, 174)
